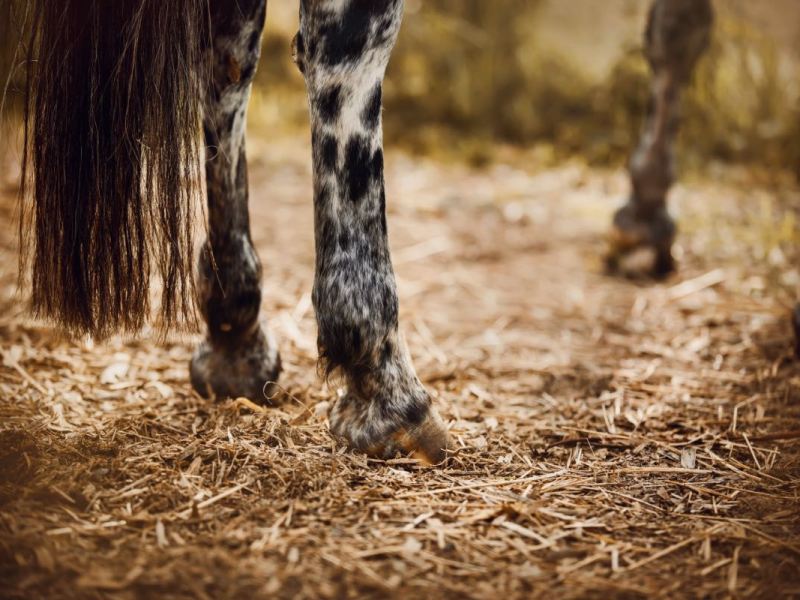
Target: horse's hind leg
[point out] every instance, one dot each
(343, 48)
(238, 356)
(677, 34)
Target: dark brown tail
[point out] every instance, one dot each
(112, 159)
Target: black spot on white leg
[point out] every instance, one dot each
(330, 153)
(384, 226)
(357, 170)
(345, 39)
(371, 114)
(376, 166)
(322, 197)
(329, 103)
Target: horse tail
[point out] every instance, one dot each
(111, 160)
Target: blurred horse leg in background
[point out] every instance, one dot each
(342, 49)
(796, 324)
(678, 32)
(238, 356)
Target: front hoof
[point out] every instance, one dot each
(248, 369)
(427, 442)
(419, 433)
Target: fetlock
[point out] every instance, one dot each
(385, 410)
(239, 356)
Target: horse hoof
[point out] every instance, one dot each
(377, 433)
(427, 442)
(247, 369)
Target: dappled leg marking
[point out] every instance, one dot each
(238, 357)
(342, 49)
(678, 33)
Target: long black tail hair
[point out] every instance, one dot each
(111, 159)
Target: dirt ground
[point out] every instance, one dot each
(615, 438)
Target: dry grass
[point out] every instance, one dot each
(613, 438)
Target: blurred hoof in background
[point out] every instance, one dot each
(796, 325)
(641, 247)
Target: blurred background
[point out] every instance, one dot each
(566, 77)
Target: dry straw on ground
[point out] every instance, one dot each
(614, 438)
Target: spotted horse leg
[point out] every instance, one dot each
(238, 357)
(677, 34)
(342, 49)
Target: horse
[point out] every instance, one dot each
(116, 93)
